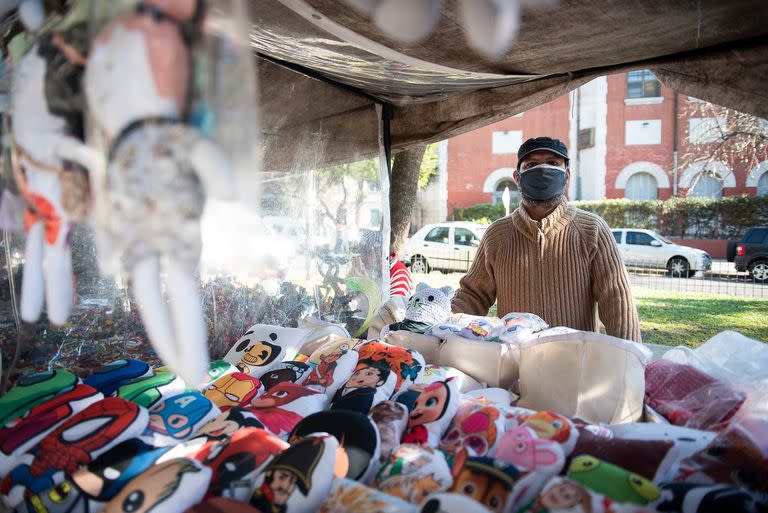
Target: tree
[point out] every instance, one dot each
(402, 194)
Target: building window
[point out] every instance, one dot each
(642, 84)
(706, 185)
(762, 185)
(642, 131)
(706, 130)
(641, 186)
(508, 141)
(514, 193)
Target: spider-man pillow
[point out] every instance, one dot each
(235, 389)
(151, 390)
(109, 378)
(284, 406)
(33, 389)
(178, 418)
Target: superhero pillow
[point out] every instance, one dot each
(228, 422)
(291, 372)
(412, 472)
(391, 419)
(356, 433)
(235, 389)
(348, 496)
(485, 480)
(151, 390)
(237, 461)
(110, 377)
(614, 482)
(477, 427)
(172, 486)
(299, 479)
(25, 432)
(431, 409)
(263, 347)
(216, 369)
(76, 442)
(284, 406)
(33, 389)
(434, 373)
(332, 365)
(178, 418)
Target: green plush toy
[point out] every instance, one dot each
(614, 482)
(149, 391)
(34, 389)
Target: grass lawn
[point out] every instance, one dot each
(690, 319)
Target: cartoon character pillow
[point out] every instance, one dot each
(151, 390)
(614, 482)
(216, 369)
(179, 417)
(551, 426)
(348, 496)
(434, 373)
(264, 347)
(172, 486)
(487, 481)
(227, 423)
(407, 365)
(110, 377)
(566, 496)
(235, 389)
(236, 461)
(75, 443)
(33, 389)
(299, 479)
(333, 364)
(431, 409)
(516, 327)
(477, 427)
(291, 371)
(412, 472)
(371, 382)
(25, 432)
(451, 503)
(284, 406)
(391, 419)
(426, 307)
(356, 433)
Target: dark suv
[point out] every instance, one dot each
(751, 253)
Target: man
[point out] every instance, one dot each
(548, 257)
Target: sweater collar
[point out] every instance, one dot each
(550, 225)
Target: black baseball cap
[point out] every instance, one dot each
(550, 144)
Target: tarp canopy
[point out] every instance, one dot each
(322, 65)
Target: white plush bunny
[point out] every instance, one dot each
(152, 196)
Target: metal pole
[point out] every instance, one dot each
(578, 147)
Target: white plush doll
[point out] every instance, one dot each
(428, 306)
(159, 170)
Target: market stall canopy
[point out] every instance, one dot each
(324, 65)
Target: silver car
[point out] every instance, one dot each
(648, 250)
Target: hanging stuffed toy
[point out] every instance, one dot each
(428, 306)
(138, 87)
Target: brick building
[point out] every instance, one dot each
(638, 140)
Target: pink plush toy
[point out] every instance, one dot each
(149, 203)
(523, 449)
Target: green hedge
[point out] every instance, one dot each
(698, 218)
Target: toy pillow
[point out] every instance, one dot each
(514, 416)
(431, 409)
(264, 347)
(356, 433)
(451, 503)
(110, 377)
(498, 396)
(284, 406)
(25, 432)
(151, 390)
(227, 423)
(614, 482)
(550, 426)
(522, 448)
(563, 495)
(476, 427)
(426, 307)
(33, 389)
(434, 373)
(407, 365)
(299, 479)
(291, 372)
(76, 442)
(179, 417)
(485, 480)
(216, 369)
(391, 419)
(371, 382)
(237, 461)
(412, 472)
(235, 389)
(695, 498)
(169, 487)
(332, 365)
(348, 496)
(516, 327)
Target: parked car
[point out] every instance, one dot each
(751, 253)
(648, 249)
(447, 247)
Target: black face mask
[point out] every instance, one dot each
(543, 182)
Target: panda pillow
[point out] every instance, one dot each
(263, 347)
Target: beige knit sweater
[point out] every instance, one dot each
(564, 269)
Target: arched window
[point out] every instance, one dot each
(641, 186)
(706, 185)
(514, 194)
(762, 185)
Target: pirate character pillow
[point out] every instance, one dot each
(172, 486)
(151, 390)
(431, 409)
(284, 406)
(356, 433)
(290, 371)
(235, 389)
(33, 389)
(412, 472)
(179, 417)
(263, 347)
(299, 479)
(110, 377)
(333, 364)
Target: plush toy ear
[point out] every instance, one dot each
(447, 290)
(420, 286)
